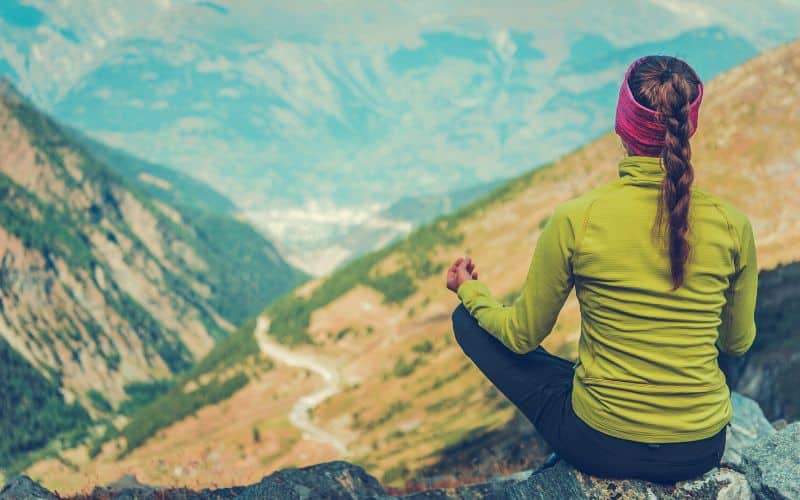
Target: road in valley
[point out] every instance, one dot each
(300, 414)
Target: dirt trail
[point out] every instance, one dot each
(300, 415)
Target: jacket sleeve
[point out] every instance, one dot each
(523, 325)
(737, 329)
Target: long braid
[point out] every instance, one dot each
(668, 85)
(675, 188)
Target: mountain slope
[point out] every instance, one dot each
(100, 284)
(228, 244)
(162, 183)
(747, 150)
(384, 318)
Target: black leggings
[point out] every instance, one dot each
(540, 385)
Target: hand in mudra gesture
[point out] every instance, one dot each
(462, 270)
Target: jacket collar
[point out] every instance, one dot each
(646, 168)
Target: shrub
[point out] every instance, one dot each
(394, 409)
(403, 369)
(99, 401)
(423, 347)
(343, 333)
(143, 393)
(396, 472)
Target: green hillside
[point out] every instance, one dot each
(32, 409)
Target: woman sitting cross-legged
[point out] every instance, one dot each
(665, 275)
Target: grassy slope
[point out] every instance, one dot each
(211, 381)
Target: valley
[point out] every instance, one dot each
(407, 393)
(224, 233)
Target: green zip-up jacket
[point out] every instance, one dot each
(647, 357)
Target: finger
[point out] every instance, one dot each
(474, 275)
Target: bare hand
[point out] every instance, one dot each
(462, 270)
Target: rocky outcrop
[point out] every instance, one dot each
(331, 480)
(771, 368)
(772, 467)
(759, 463)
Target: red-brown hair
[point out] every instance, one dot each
(668, 85)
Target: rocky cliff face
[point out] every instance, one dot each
(100, 284)
(759, 462)
(770, 371)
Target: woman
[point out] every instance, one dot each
(666, 277)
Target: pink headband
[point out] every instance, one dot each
(640, 126)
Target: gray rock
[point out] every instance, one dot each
(331, 480)
(748, 426)
(558, 481)
(772, 467)
(779, 424)
(718, 484)
(564, 482)
(493, 489)
(127, 484)
(22, 487)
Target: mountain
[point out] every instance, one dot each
(102, 286)
(326, 124)
(232, 244)
(401, 391)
